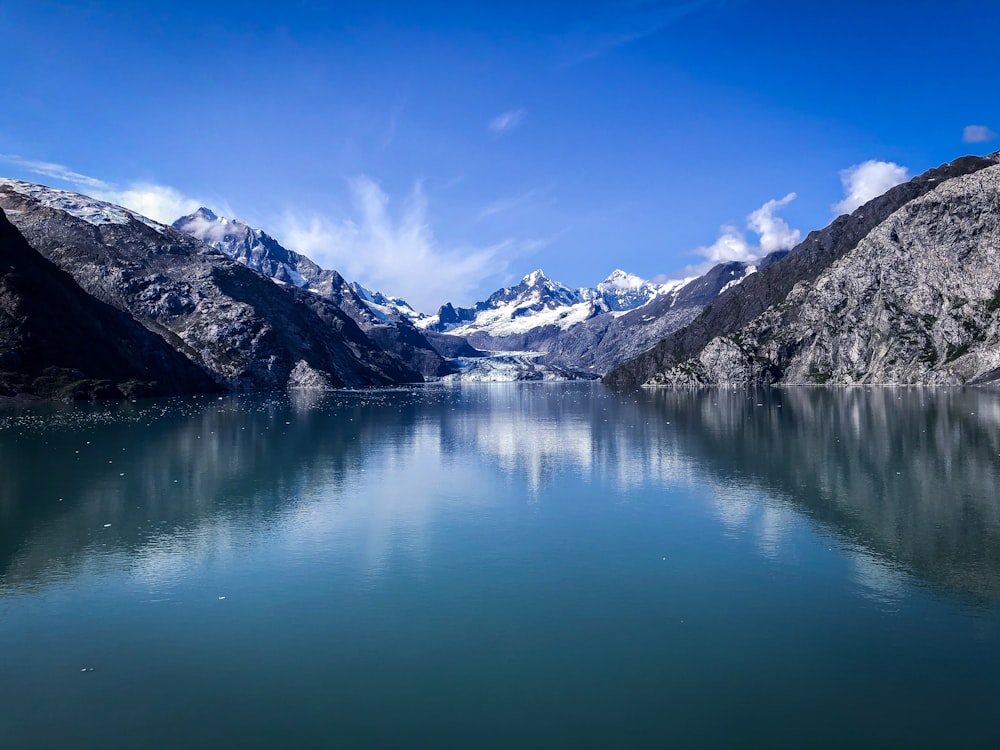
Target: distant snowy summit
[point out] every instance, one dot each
(539, 302)
(622, 292)
(389, 308)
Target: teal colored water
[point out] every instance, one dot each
(523, 566)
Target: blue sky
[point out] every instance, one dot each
(441, 150)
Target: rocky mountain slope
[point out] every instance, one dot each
(241, 328)
(602, 343)
(904, 290)
(58, 341)
(385, 320)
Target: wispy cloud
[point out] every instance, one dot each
(389, 133)
(624, 23)
(733, 245)
(977, 134)
(506, 121)
(540, 196)
(868, 180)
(55, 171)
(398, 253)
(159, 202)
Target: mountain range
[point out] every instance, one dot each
(576, 332)
(99, 301)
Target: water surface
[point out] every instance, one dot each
(503, 566)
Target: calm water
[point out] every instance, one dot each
(525, 566)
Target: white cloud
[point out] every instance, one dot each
(732, 244)
(862, 182)
(619, 24)
(977, 134)
(507, 120)
(775, 234)
(158, 202)
(397, 254)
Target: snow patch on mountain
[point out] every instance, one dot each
(89, 209)
(623, 292)
(739, 279)
(389, 309)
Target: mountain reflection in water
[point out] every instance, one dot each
(524, 565)
(905, 478)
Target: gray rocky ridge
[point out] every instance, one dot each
(906, 290)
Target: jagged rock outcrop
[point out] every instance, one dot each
(57, 341)
(251, 247)
(246, 331)
(904, 290)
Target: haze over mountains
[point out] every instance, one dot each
(906, 289)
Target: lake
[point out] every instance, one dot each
(503, 566)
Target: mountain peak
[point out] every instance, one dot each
(535, 277)
(205, 213)
(619, 279)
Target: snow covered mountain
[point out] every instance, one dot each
(622, 292)
(589, 330)
(390, 309)
(513, 316)
(391, 321)
(522, 317)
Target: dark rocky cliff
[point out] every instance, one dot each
(57, 341)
